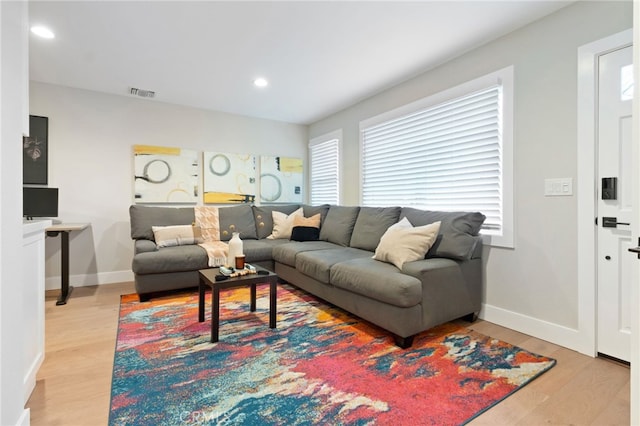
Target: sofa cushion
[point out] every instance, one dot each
(377, 280)
(306, 228)
(423, 268)
(170, 259)
(264, 219)
(237, 219)
(371, 224)
(286, 253)
(455, 239)
(260, 250)
(338, 225)
(317, 264)
(142, 218)
(405, 243)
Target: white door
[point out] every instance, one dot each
(615, 204)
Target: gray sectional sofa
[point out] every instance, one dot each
(339, 268)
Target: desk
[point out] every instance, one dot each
(64, 229)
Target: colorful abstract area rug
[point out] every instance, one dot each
(320, 366)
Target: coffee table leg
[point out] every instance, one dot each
(273, 290)
(215, 313)
(201, 301)
(253, 297)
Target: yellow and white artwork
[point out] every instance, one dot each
(229, 178)
(280, 179)
(165, 175)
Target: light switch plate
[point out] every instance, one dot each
(558, 187)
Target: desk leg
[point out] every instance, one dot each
(201, 290)
(273, 291)
(215, 313)
(65, 290)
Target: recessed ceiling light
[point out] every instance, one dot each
(260, 82)
(41, 31)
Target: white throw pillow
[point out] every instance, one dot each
(283, 224)
(179, 235)
(403, 242)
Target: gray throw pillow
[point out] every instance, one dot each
(338, 225)
(371, 224)
(457, 230)
(309, 211)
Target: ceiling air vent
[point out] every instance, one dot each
(142, 93)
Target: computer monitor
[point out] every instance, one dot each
(39, 202)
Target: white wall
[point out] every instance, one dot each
(14, 54)
(91, 136)
(533, 287)
(635, 292)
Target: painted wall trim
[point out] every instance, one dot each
(554, 333)
(635, 293)
(586, 194)
(53, 283)
(25, 418)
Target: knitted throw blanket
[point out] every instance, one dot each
(208, 220)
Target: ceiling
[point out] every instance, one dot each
(319, 57)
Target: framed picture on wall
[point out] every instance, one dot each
(35, 148)
(229, 178)
(280, 179)
(165, 174)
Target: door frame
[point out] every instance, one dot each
(587, 196)
(614, 157)
(587, 192)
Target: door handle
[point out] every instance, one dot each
(612, 222)
(636, 250)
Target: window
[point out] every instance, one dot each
(451, 151)
(324, 154)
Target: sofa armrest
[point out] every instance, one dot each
(477, 250)
(450, 288)
(144, 246)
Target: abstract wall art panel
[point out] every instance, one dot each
(280, 179)
(229, 178)
(35, 149)
(165, 175)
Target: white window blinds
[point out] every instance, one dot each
(325, 177)
(445, 157)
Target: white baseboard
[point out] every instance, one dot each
(53, 283)
(25, 418)
(30, 376)
(554, 333)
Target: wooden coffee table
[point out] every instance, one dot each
(208, 278)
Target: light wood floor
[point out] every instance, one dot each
(74, 381)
